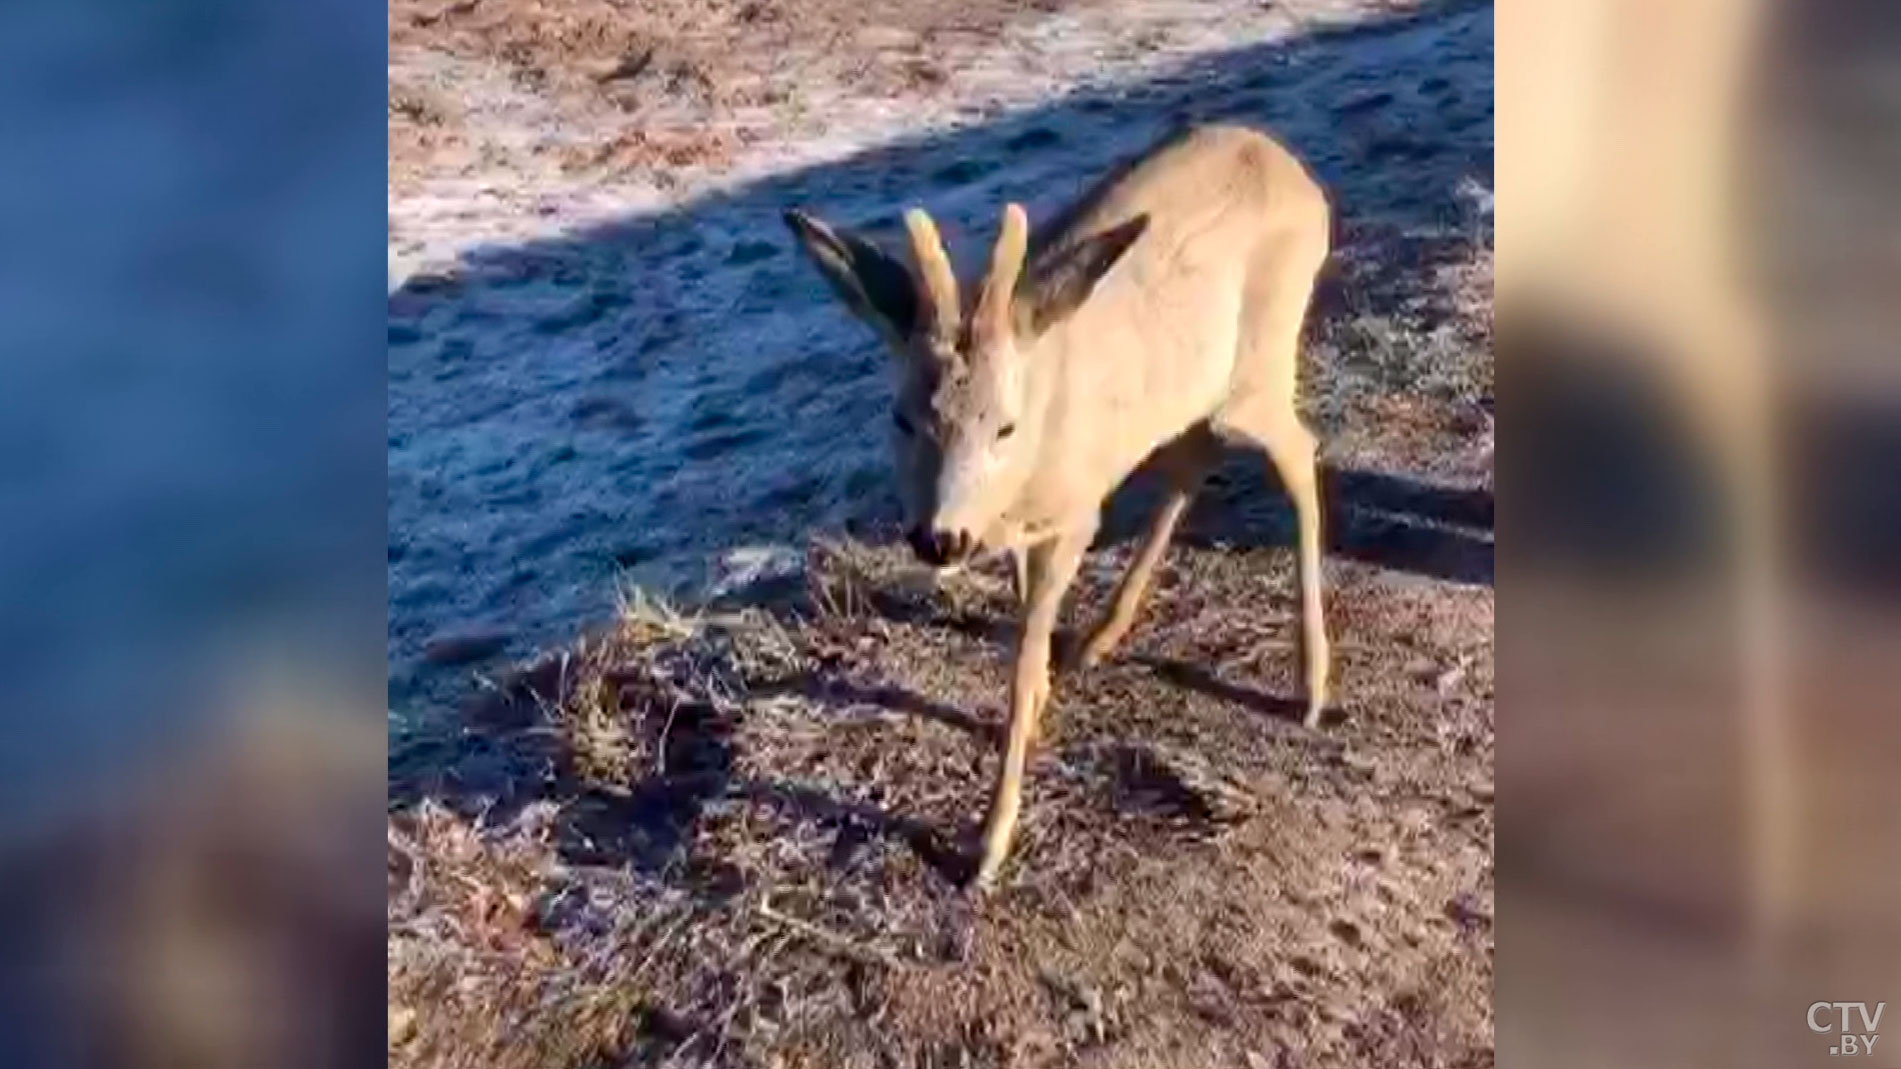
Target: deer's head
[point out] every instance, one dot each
(966, 422)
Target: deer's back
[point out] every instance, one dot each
(1192, 177)
(1155, 350)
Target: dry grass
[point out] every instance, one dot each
(1400, 363)
(735, 838)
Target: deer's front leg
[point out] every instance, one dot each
(1052, 566)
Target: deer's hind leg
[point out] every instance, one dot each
(1184, 462)
(1262, 412)
(1292, 449)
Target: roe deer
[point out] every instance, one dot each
(1161, 315)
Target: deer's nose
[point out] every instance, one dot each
(954, 546)
(925, 546)
(939, 548)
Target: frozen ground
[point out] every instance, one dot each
(510, 136)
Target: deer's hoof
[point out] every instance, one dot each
(1321, 715)
(983, 880)
(985, 867)
(1092, 652)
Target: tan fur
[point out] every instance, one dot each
(1618, 217)
(1163, 313)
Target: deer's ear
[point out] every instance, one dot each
(873, 284)
(1060, 280)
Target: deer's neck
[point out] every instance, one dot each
(1045, 501)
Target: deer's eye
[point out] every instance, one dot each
(903, 424)
(1006, 431)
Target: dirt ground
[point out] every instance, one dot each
(666, 74)
(733, 833)
(738, 838)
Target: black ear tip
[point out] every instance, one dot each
(800, 223)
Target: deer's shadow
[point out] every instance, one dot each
(1392, 521)
(513, 754)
